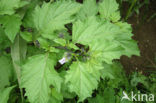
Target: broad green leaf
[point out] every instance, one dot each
(125, 27)
(81, 81)
(11, 25)
(89, 8)
(94, 64)
(26, 36)
(107, 50)
(18, 54)
(38, 75)
(8, 6)
(86, 31)
(125, 39)
(50, 17)
(27, 19)
(100, 37)
(130, 46)
(108, 10)
(108, 39)
(4, 94)
(5, 71)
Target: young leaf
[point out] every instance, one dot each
(109, 10)
(81, 81)
(11, 25)
(51, 17)
(4, 94)
(37, 75)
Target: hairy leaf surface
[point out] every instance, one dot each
(109, 10)
(89, 8)
(37, 75)
(107, 39)
(81, 81)
(51, 17)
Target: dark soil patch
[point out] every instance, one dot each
(145, 34)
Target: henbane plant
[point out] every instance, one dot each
(59, 47)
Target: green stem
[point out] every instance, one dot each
(130, 9)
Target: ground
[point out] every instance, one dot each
(145, 33)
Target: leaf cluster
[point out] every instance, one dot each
(56, 50)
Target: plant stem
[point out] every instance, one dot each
(130, 9)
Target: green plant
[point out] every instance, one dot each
(112, 85)
(135, 6)
(54, 51)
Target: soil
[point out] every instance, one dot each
(145, 33)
